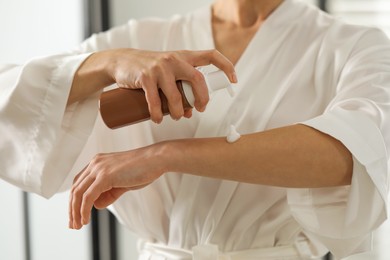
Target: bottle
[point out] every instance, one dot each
(121, 107)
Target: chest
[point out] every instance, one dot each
(232, 41)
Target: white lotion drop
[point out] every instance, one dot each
(233, 135)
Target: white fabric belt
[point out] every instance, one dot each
(152, 251)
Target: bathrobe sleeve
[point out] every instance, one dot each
(41, 138)
(343, 218)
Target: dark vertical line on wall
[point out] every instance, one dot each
(95, 234)
(323, 4)
(113, 238)
(26, 224)
(97, 16)
(105, 13)
(86, 19)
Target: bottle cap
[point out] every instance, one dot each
(215, 80)
(218, 80)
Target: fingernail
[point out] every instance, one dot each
(160, 119)
(234, 78)
(157, 121)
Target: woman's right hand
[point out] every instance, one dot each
(150, 70)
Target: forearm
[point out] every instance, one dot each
(294, 156)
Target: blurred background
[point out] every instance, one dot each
(32, 228)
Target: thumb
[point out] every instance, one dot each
(107, 198)
(206, 57)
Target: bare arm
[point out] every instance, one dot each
(295, 156)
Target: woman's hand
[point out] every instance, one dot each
(150, 70)
(110, 175)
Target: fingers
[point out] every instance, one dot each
(108, 197)
(188, 113)
(153, 70)
(202, 58)
(198, 84)
(167, 83)
(86, 188)
(82, 199)
(76, 200)
(149, 85)
(79, 177)
(163, 77)
(89, 197)
(93, 191)
(196, 78)
(106, 178)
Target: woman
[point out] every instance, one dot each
(308, 175)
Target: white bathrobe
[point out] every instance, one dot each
(302, 66)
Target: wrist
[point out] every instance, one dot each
(100, 66)
(175, 156)
(166, 156)
(90, 77)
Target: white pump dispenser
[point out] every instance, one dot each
(215, 80)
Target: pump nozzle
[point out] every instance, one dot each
(215, 80)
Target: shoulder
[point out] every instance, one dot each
(146, 33)
(356, 42)
(176, 32)
(311, 19)
(334, 33)
(152, 32)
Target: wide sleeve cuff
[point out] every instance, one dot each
(340, 216)
(73, 126)
(38, 128)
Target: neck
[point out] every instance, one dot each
(244, 13)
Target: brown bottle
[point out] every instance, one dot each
(121, 107)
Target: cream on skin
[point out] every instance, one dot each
(233, 135)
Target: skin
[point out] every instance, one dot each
(294, 156)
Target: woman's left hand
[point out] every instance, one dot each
(110, 175)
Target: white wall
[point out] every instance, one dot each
(364, 12)
(11, 223)
(122, 10)
(50, 236)
(29, 28)
(34, 28)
